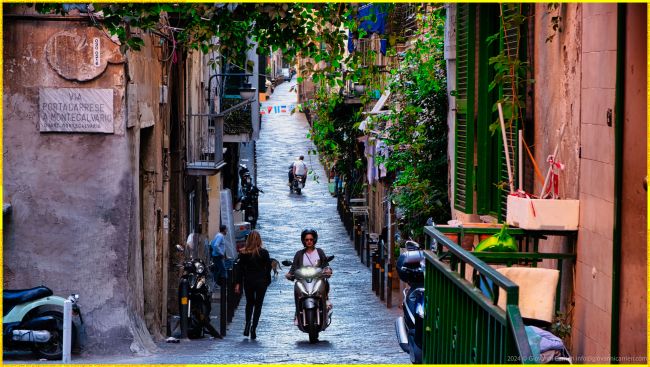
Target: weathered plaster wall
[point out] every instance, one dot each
(557, 71)
(72, 193)
(578, 72)
(145, 117)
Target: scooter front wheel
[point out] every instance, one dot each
(312, 327)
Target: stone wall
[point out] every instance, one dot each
(75, 196)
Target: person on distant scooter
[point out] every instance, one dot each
(299, 169)
(310, 256)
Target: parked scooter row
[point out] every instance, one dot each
(409, 327)
(33, 319)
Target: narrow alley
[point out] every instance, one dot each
(362, 329)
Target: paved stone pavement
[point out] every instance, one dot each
(362, 330)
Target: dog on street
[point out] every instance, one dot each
(275, 266)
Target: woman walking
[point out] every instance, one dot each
(255, 275)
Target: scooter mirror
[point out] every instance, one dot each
(287, 262)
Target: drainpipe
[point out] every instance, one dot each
(619, 108)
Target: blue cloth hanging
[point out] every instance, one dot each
(377, 26)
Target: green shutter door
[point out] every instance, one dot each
(487, 176)
(464, 129)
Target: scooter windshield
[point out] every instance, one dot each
(308, 272)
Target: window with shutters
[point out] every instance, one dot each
(464, 129)
(474, 117)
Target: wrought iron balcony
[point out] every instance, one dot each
(205, 131)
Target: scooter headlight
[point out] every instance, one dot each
(308, 272)
(199, 267)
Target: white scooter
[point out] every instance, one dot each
(314, 311)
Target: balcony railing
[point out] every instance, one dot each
(461, 324)
(205, 140)
(204, 144)
(464, 320)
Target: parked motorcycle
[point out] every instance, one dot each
(248, 201)
(249, 204)
(409, 327)
(193, 291)
(33, 319)
(314, 311)
(297, 184)
(245, 176)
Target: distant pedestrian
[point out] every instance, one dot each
(254, 274)
(218, 255)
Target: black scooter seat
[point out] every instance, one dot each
(10, 298)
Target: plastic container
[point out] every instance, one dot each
(543, 214)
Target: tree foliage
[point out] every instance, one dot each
(313, 29)
(416, 130)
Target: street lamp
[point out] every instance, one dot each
(247, 91)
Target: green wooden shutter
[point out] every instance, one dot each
(464, 129)
(486, 157)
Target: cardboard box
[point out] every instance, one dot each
(544, 214)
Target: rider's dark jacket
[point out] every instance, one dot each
(297, 260)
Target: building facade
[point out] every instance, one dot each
(95, 171)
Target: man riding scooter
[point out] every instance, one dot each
(298, 168)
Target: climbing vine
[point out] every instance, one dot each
(415, 130)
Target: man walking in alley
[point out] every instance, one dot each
(218, 254)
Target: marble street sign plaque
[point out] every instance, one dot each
(76, 110)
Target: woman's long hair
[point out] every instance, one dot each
(253, 244)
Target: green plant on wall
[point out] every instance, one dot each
(510, 71)
(416, 130)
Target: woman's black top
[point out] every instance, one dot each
(254, 269)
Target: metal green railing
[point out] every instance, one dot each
(462, 324)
